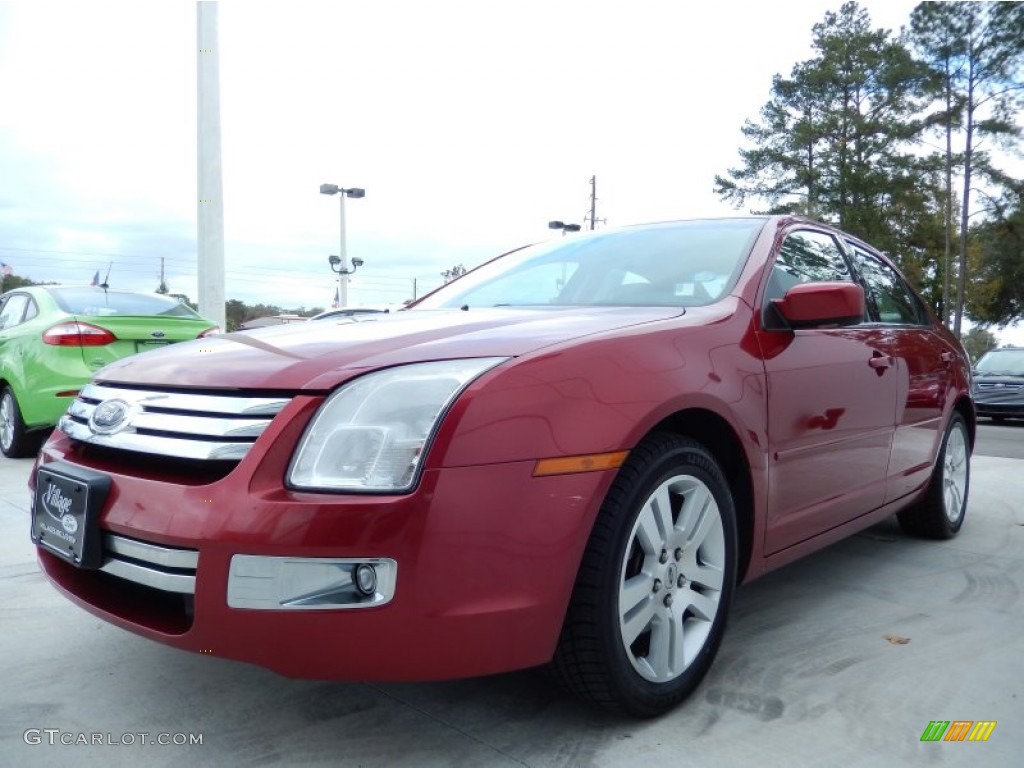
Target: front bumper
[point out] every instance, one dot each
(485, 557)
(999, 407)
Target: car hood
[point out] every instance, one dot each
(318, 355)
(998, 378)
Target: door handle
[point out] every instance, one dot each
(880, 361)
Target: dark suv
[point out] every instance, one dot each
(999, 383)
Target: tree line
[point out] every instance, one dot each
(896, 138)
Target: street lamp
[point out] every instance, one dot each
(563, 226)
(342, 259)
(335, 262)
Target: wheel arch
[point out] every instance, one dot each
(7, 383)
(965, 408)
(718, 436)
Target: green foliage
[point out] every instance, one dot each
(834, 142)
(840, 139)
(450, 274)
(997, 284)
(977, 342)
(10, 282)
(238, 312)
(975, 52)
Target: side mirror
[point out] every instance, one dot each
(820, 305)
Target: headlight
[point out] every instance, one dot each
(371, 434)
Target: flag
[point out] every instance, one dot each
(95, 278)
(334, 304)
(7, 269)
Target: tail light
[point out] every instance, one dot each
(76, 334)
(209, 332)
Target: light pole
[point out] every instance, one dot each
(343, 271)
(563, 226)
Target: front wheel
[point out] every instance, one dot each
(940, 513)
(650, 602)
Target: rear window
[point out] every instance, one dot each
(99, 303)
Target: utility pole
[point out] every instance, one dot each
(211, 204)
(593, 201)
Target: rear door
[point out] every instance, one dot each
(923, 364)
(831, 405)
(15, 345)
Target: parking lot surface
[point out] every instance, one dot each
(843, 658)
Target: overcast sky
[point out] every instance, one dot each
(469, 124)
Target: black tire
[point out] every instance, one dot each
(694, 571)
(940, 512)
(15, 441)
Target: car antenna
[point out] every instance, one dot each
(104, 285)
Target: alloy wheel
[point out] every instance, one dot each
(954, 473)
(671, 578)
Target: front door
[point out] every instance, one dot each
(831, 406)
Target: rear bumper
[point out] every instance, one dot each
(486, 559)
(40, 397)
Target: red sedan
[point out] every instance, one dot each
(569, 456)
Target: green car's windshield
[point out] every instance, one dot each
(683, 264)
(1008, 361)
(97, 302)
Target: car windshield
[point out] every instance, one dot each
(96, 302)
(683, 264)
(1008, 361)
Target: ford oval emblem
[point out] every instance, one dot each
(109, 417)
(158, 334)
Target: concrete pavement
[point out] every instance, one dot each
(806, 675)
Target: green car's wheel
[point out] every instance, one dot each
(15, 442)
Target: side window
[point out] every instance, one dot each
(12, 310)
(888, 297)
(806, 257)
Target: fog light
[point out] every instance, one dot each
(365, 579)
(310, 583)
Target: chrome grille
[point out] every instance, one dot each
(182, 425)
(166, 568)
(989, 386)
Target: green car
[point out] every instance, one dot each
(53, 338)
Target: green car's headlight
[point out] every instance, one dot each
(371, 434)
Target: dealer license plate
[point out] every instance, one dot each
(65, 513)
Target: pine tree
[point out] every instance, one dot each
(834, 141)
